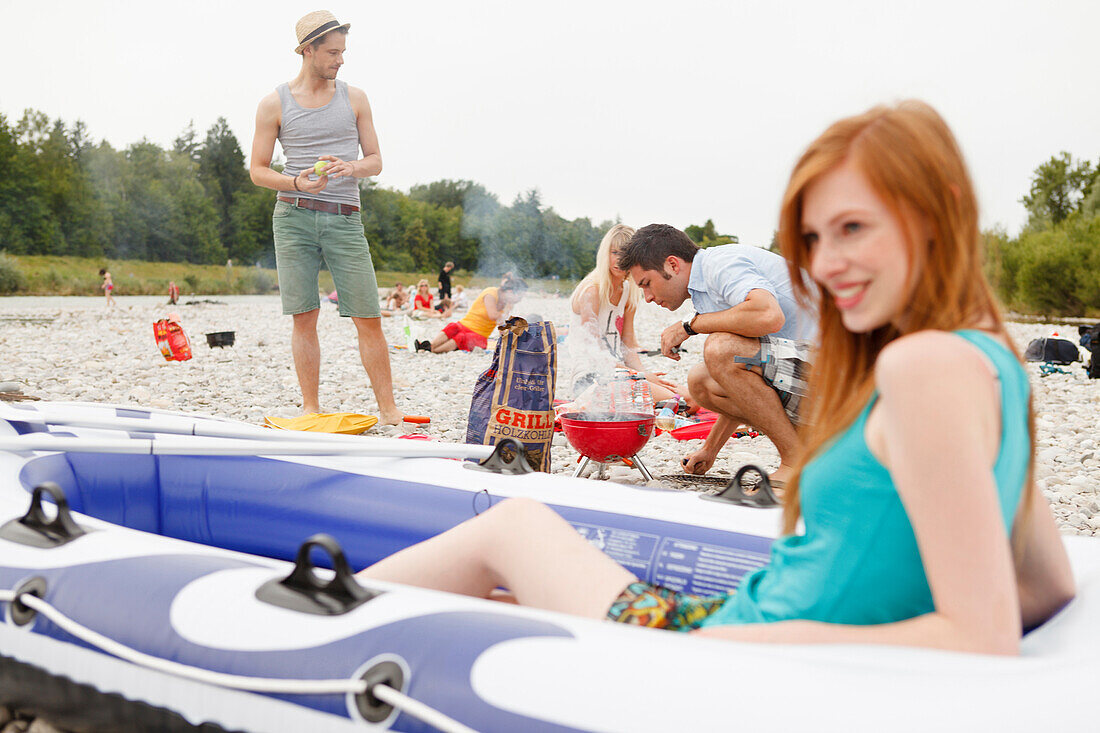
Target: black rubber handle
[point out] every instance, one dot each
(35, 528)
(343, 585)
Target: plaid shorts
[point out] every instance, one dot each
(658, 607)
(786, 367)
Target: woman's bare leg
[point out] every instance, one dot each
(520, 545)
(442, 343)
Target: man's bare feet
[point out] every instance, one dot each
(391, 417)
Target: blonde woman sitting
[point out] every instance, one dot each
(601, 330)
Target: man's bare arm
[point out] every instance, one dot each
(758, 315)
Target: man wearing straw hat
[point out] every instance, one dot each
(322, 124)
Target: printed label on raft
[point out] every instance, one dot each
(633, 550)
(695, 567)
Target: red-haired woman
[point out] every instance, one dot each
(921, 524)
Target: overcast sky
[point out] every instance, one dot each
(650, 111)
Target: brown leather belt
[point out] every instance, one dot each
(315, 205)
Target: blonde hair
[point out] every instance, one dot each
(913, 163)
(600, 277)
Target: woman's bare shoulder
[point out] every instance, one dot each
(931, 358)
(586, 300)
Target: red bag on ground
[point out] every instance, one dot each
(171, 340)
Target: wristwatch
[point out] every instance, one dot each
(687, 326)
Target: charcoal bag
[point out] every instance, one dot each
(514, 397)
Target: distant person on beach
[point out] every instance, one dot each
(601, 331)
(920, 525)
(445, 280)
(458, 301)
(398, 300)
(107, 287)
(445, 307)
(422, 303)
(490, 307)
(758, 338)
(173, 292)
(322, 124)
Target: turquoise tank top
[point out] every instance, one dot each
(858, 562)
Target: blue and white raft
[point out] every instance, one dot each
(167, 599)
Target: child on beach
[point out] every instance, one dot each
(458, 301)
(601, 331)
(921, 523)
(107, 286)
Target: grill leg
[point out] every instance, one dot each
(580, 467)
(641, 467)
(602, 473)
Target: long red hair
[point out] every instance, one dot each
(913, 163)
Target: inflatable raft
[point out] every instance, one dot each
(176, 590)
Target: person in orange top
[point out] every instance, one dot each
(490, 308)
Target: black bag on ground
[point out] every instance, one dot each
(1052, 350)
(1090, 339)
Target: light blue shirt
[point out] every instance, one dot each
(721, 277)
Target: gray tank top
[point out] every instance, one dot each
(307, 134)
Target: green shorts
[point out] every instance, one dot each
(302, 238)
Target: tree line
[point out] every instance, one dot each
(194, 202)
(1053, 266)
(63, 194)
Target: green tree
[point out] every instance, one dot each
(447, 193)
(415, 241)
(1058, 186)
(221, 171)
(1056, 269)
(187, 143)
(707, 236)
(250, 217)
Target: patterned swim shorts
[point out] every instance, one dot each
(646, 604)
(786, 367)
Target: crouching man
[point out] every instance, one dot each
(758, 338)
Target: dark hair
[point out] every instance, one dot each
(317, 44)
(651, 246)
(514, 283)
(102, 271)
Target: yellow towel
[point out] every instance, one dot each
(346, 423)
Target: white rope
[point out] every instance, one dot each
(220, 679)
(385, 693)
(419, 710)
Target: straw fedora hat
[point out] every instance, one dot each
(314, 25)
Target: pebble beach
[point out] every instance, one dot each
(76, 349)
